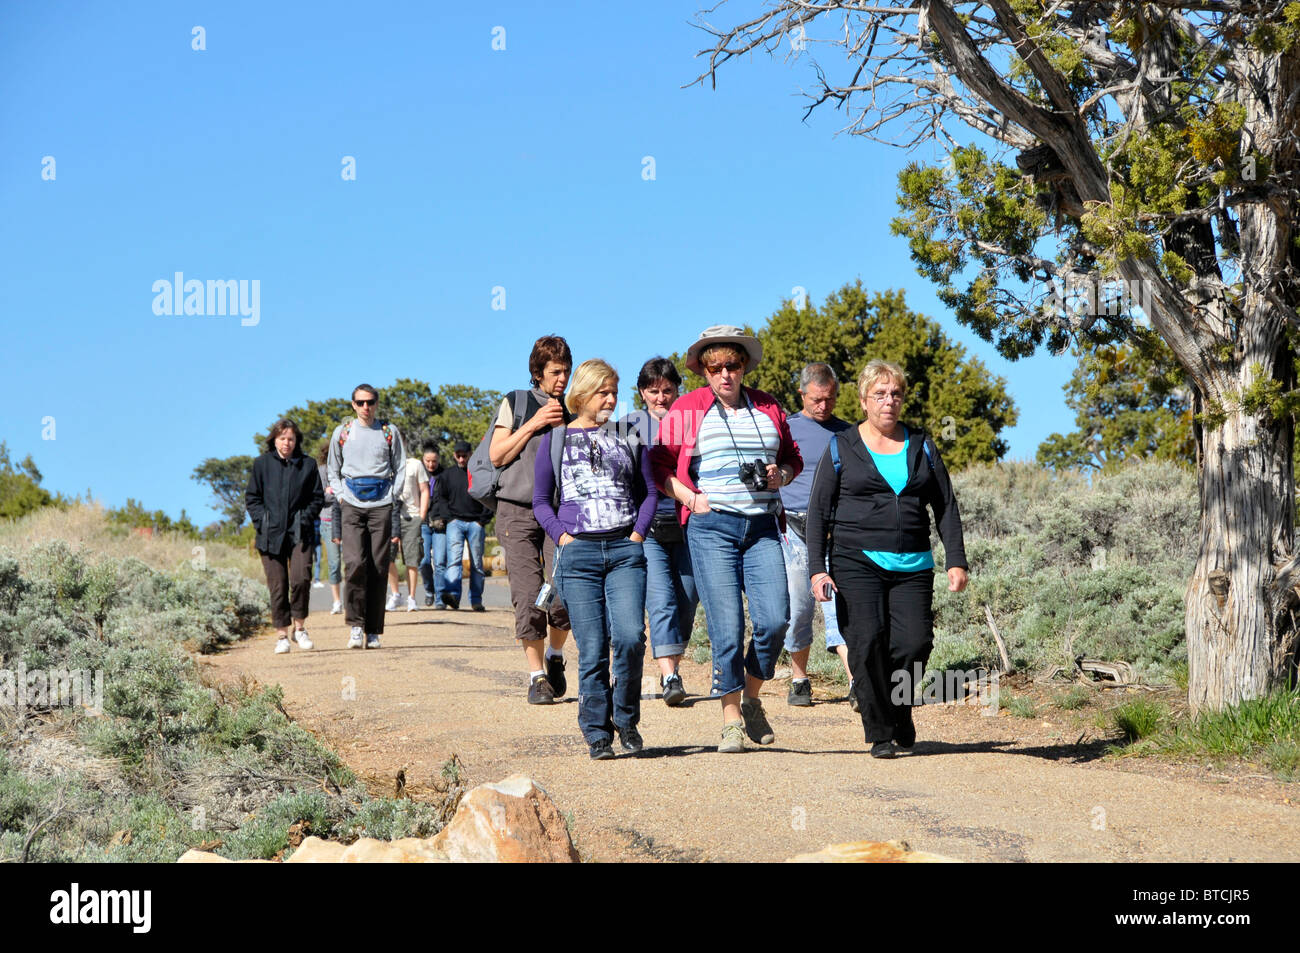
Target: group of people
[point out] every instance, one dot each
(703, 499)
(366, 504)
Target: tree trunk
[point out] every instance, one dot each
(1242, 604)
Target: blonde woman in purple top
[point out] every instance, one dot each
(595, 496)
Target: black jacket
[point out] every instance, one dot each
(453, 494)
(869, 515)
(437, 505)
(283, 498)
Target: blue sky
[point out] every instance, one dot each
(475, 169)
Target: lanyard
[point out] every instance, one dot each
(722, 412)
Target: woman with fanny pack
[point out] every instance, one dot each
(594, 495)
(670, 597)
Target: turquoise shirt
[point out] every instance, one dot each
(893, 467)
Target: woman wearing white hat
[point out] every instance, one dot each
(724, 451)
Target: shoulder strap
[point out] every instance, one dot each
(835, 454)
(558, 433)
(519, 400)
(388, 432)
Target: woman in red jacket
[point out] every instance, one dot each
(724, 452)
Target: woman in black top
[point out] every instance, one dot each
(284, 497)
(872, 508)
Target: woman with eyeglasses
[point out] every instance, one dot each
(868, 507)
(724, 451)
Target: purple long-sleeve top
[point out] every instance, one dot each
(600, 486)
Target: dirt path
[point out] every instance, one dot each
(976, 788)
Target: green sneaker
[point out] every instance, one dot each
(733, 738)
(756, 726)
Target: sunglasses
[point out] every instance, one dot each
(366, 403)
(731, 366)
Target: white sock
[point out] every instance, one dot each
(796, 681)
(538, 674)
(552, 652)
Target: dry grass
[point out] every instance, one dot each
(86, 528)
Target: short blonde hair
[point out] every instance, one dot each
(726, 352)
(587, 379)
(874, 371)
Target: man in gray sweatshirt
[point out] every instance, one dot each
(366, 457)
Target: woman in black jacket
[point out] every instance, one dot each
(871, 505)
(284, 497)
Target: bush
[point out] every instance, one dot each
(1139, 718)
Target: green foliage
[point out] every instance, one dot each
(1129, 401)
(1021, 706)
(1071, 568)
(20, 487)
(1077, 697)
(170, 763)
(134, 516)
(228, 479)
(1139, 718)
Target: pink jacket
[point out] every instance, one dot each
(680, 427)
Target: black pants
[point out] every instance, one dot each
(367, 534)
(288, 577)
(886, 620)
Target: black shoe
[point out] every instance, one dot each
(540, 692)
(479, 608)
(674, 690)
(428, 601)
(555, 674)
(882, 749)
(450, 601)
(601, 750)
(630, 739)
(800, 694)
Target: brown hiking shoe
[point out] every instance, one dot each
(540, 692)
(756, 726)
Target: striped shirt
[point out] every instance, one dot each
(723, 444)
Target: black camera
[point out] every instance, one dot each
(754, 475)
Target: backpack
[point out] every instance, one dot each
(484, 478)
(347, 427)
(631, 439)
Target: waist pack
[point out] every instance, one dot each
(368, 489)
(798, 524)
(666, 529)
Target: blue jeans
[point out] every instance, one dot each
(800, 634)
(670, 596)
(433, 567)
(315, 553)
(333, 555)
(459, 533)
(602, 583)
(735, 554)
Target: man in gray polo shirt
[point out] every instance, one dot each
(812, 429)
(365, 463)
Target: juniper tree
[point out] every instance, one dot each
(1153, 143)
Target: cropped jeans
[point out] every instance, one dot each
(802, 603)
(670, 596)
(433, 567)
(602, 584)
(736, 555)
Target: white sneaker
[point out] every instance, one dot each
(372, 641)
(303, 641)
(282, 647)
(354, 640)
(410, 604)
(336, 609)
(318, 584)
(394, 600)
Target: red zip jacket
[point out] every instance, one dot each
(680, 428)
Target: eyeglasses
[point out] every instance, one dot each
(730, 366)
(366, 403)
(893, 397)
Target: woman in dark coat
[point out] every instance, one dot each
(284, 497)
